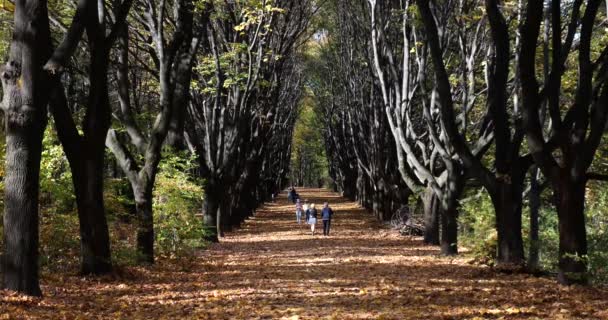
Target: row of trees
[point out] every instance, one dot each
(429, 98)
(220, 80)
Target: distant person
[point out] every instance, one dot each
(298, 211)
(290, 195)
(326, 215)
(294, 195)
(305, 208)
(312, 218)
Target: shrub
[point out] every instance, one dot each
(477, 226)
(56, 188)
(178, 197)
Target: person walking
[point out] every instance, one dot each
(294, 194)
(290, 196)
(326, 215)
(312, 218)
(298, 211)
(305, 210)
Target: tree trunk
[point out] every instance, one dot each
(508, 203)
(350, 187)
(535, 193)
(570, 198)
(449, 210)
(449, 231)
(379, 200)
(94, 236)
(145, 225)
(26, 89)
(211, 206)
(431, 217)
(23, 149)
(96, 258)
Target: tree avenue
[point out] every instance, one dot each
(173, 121)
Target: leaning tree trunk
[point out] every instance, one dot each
(570, 204)
(95, 237)
(431, 217)
(26, 93)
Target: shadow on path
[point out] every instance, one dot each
(273, 268)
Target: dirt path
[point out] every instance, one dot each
(273, 268)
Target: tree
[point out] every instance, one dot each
(175, 62)
(238, 87)
(26, 93)
(577, 128)
(85, 152)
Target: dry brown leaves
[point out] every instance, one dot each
(273, 268)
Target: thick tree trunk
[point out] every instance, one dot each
(211, 207)
(23, 149)
(508, 203)
(431, 217)
(570, 204)
(349, 189)
(449, 211)
(26, 91)
(145, 225)
(94, 236)
(449, 231)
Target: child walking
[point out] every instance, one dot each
(298, 211)
(312, 218)
(305, 210)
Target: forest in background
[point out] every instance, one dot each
(139, 129)
(488, 118)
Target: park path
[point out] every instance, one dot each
(272, 268)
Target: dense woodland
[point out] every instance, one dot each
(140, 129)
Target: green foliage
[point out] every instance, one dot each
(477, 224)
(177, 199)
(118, 198)
(477, 220)
(597, 237)
(56, 187)
(308, 160)
(59, 241)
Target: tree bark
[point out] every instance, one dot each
(145, 224)
(431, 217)
(449, 209)
(570, 204)
(449, 231)
(26, 92)
(211, 208)
(507, 201)
(535, 193)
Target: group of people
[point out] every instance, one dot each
(310, 213)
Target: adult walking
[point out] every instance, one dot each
(293, 195)
(290, 195)
(326, 215)
(298, 211)
(312, 218)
